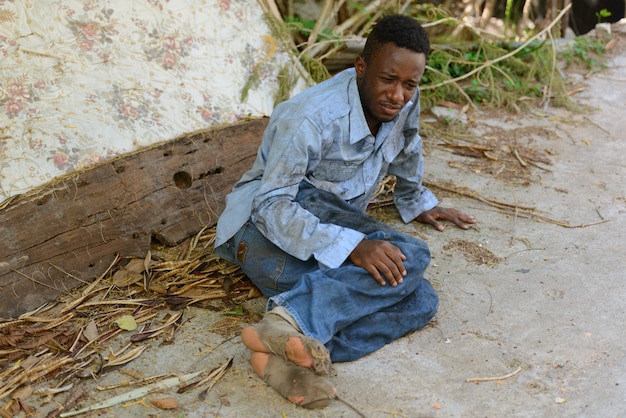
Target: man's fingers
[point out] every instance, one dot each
(384, 274)
(391, 276)
(432, 221)
(460, 219)
(458, 222)
(373, 271)
(393, 270)
(383, 261)
(465, 217)
(396, 258)
(435, 224)
(395, 263)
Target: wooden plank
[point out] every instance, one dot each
(69, 232)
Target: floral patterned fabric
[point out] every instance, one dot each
(82, 81)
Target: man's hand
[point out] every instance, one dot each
(380, 259)
(457, 217)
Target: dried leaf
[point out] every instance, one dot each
(91, 331)
(141, 336)
(131, 355)
(221, 372)
(177, 301)
(29, 362)
(254, 293)
(127, 322)
(147, 261)
(153, 332)
(125, 278)
(148, 276)
(165, 403)
(136, 265)
(42, 339)
(212, 377)
(236, 311)
(22, 393)
(10, 337)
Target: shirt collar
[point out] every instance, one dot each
(358, 125)
(359, 129)
(394, 139)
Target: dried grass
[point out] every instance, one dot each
(63, 340)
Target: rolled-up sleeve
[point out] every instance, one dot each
(411, 197)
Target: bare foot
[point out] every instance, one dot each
(296, 384)
(294, 348)
(259, 362)
(275, 335)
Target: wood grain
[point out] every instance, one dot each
(68, 233)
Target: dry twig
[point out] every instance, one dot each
(492, 379)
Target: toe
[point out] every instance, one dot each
(297, 352)
(250, 338)
(259, 362)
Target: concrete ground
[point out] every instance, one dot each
(539, 300)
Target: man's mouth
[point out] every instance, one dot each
(390, 109)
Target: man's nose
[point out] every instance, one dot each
(396, 93)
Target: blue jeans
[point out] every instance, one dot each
(344, 308)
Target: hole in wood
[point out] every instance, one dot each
(183, 180)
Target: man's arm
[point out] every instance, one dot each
(290, 151)
(413, 200)
(432, 216)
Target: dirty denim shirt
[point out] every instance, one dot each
(321, 136)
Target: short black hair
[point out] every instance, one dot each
(404, 31)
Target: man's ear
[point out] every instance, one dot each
(359, 66)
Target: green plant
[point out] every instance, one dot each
(466, 65)
(496, 82)
(585, 51)
(603, 14)
(304, 27)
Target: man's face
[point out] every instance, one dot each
(388, 82)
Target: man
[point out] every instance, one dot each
(340, 284)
